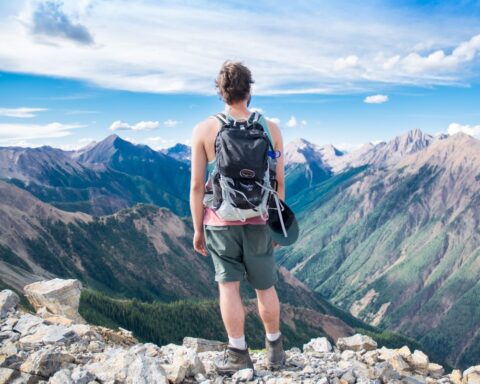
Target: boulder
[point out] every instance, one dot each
(404, 352)
(203, 345)
(385, 353)
(124, 366)
(456, 376)
(320, 344)
(419, 361)
(50, 334)
(8, 302)
(46, 362)
(472, 375)
(27, 324)
(243, 375)
(435, 370)
(370, 357)
(56, 297)
(77, 376)
(6, 375)
(356, 342)
(399, 364)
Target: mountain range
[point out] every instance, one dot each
(100, 179)
(394, 239)
(389, 232)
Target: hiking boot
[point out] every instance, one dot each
(275, 353)
(234, 360)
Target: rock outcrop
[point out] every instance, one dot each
(56, 299)
(37, 350)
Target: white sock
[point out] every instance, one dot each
(273, 336)
(238, 343)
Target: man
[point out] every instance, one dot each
(239, 249)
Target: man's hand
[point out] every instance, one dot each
(199, 243)
(274, 244)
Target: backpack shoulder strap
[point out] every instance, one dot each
(223, 118)
(263, 121)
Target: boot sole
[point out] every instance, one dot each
(276, 367)
(230, 372)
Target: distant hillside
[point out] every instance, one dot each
(396, 241)
(100, 179)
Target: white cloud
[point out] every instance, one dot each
(271, 45)
(11, 133)
(344, 63)
(292, 122)
(472, 130)
(22, 112)
(303, 122)
(170, 123)
(259, 110)
(158, 142)
(376, 99)
(140, 126)
(80, 143)
(441, 61)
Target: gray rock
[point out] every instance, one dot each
(56, 297)
(349, 377)
(77, 376)
(61, 377)
(472, 375)
(356, 343)
(8, 302)
(320, 344)
(120, 365)
(50, 334)
(27, 324)
(435, 370)
(243, 375)
(46, 362)
(6, 375)
(385, 372)
(203, 345)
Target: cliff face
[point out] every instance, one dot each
(56, 346)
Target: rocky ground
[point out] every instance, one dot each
(56, 346)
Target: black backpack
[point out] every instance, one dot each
(244, 176)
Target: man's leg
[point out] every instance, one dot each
(233, 313)
(269, 309)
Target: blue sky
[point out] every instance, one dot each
(331, 72)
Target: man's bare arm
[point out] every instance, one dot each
(197, 185)
(278, 145)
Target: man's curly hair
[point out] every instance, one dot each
(233, 81)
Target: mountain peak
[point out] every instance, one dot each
(179, 151)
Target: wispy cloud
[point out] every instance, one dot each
(170, 123)
(363, 49)
(140, 126)
(10, 133)
(48, 19)
(22, 112)
(376, 99)
(158, 142)
(472, 130)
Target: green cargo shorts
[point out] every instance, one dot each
(242, 251)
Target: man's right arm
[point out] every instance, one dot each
(197, 185)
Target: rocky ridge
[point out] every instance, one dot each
(55, 346)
